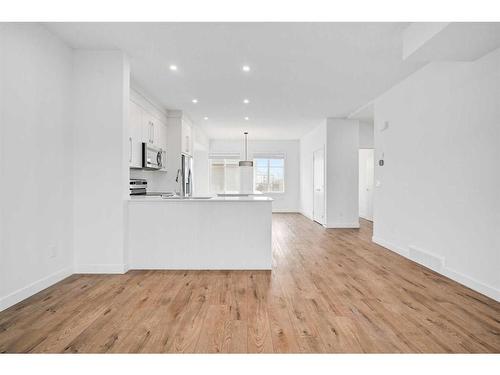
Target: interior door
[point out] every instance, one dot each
(319, 186)
(366, 175)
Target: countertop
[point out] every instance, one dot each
(238, 194)
(143, 198)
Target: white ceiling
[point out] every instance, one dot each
(365, 113)
(300, 73)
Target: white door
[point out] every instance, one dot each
(366, 171)
(319, 186)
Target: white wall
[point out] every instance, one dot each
(36, 199)
(101, 89)
(342, 173)
(340, 139)
(309, 143)
(366, 137)
(439, 192)
(366, 174)
(284, 202)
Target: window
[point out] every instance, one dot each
(269, 174)
(224, 176)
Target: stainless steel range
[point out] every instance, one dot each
(138, 186)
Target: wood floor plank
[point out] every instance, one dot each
(259, 329)
(282, 330)
(189, 328)
(215, 335)
(330, 291)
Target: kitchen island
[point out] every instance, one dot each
(217, 233)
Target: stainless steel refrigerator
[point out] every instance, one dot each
(186, 175)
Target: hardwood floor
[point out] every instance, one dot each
(329, 291)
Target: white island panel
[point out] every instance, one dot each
(205, 234)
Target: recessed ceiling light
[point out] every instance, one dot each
(173, 67)
(195, 101)
(246, 101)
(246, 118)
(205, 118)
(246, 68)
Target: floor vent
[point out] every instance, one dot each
(427, 259)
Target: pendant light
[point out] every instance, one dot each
(246, 162)
(246, 171)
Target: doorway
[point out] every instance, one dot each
(319, 186)
(366, 174)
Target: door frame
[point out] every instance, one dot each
(322, 148)
(373, 192)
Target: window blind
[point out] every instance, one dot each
(268, 155)
(224, 155)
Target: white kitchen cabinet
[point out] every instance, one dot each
(160, 132)
(154, 131)
(187, 138)
(180, 141)
(161, 141)
(147, 128)
(135, 136)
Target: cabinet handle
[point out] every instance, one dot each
(130, 153)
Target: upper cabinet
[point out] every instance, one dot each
(135, 136)
(187, 137)
(144, 127)
(160, 138)
(153, 130)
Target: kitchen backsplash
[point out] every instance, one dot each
(157, 181)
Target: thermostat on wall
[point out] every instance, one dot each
(381, 160)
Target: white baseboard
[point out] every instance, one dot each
(285, 211)
(170, 267)
(444, 270)
(427, 258)
(342, 225)
(119, 268)
(33, 288)
(311, 218)
(366, 218)
(390, 246)
(306, 215)
(474, 284)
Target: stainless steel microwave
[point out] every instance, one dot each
(152, 156)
